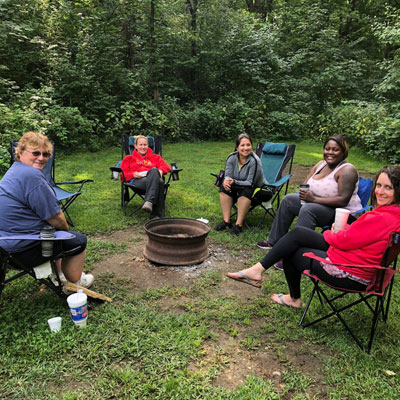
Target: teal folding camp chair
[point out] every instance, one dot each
(128, 191)
(276, 159)
(64, 197)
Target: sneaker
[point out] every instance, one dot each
(237, 230)
(264, 245)
(86, 280)
(279, 265)
(222, 226)
(147, 206)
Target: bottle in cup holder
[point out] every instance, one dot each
(47, 232)
(220, 178)
(175, 174)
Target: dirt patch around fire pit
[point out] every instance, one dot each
(135, 275)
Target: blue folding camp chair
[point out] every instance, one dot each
(9, 263)
(64, 197)
(364, 193)
(128, 191)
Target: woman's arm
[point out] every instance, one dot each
(59, 222)
(129, 166)
(347, 179)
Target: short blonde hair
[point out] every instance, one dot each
(35, 140)
(140, 137)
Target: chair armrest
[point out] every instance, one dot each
(174, 174)
(59, 235)
(313, 256)
(281, 181)
(83, 181)
(361, 210)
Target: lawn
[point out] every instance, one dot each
(139, 348)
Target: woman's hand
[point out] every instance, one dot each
(228, 182)
(306, 195)
(137, 175)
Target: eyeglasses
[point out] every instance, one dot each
(37, 153)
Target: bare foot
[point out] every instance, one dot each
(254, 273)
(286, 300)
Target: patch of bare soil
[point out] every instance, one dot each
(137, 274)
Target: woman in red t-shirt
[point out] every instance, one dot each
(362, 242)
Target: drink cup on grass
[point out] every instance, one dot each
(77, 303)
(55, 324)
(341, 217)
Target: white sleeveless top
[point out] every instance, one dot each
(328, 187)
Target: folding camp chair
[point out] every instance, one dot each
(39, 273)
(64, 197)
(364, 193)
(276, 158)
(380, 288)
(128, 191)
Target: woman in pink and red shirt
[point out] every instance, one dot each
(363, 242)
(144, 170)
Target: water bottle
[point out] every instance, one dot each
(47, 232)
(175, 174)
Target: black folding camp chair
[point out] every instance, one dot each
(12, 267)
(64, 197)
(380, 289)
(128, 191)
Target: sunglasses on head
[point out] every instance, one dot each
(38, 153)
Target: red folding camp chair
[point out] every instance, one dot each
(380, 289)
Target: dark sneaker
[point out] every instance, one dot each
(222, 226)
(237, 230)
(264, 245)
(279, 265)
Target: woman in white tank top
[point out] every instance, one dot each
(333, 184)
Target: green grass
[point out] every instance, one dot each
(137, 348)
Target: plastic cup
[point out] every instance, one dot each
(304, 186)
(341, 217)
(77, 303)
(55, 324)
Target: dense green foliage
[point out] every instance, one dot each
(195, 69)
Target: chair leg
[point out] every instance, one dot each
(307, 307)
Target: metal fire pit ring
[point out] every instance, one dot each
(176, 241)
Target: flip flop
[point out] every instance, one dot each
(282, 302)
(245, 279)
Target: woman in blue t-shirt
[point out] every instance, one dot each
(28, 202)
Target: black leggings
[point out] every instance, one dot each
(290, 249)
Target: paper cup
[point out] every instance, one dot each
(55, 324)
(77, 303)
(341, 217)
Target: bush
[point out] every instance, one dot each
(370, 126)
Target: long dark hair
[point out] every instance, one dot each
(393, 172)
(341, 142)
